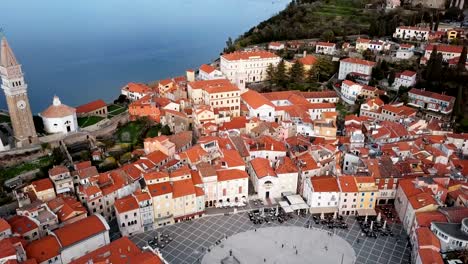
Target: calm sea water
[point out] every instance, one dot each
(87, 49)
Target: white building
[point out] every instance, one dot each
(406, 79)
(128, 216)
(322, 194)
(208, 72)
(59, 118)
(135, 91)
(276, 46)
(459, 140)
(411, 33)
(355, 66)
(247, 66)
(259, 106)
(349, 91)
(233, 185)
(348, 196)
(450, 53)
(325, 48)
(405, 51)
(452, 236)
(62, 179)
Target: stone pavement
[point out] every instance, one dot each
(193, 238)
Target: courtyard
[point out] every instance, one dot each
(192, 239)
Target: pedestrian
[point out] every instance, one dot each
(296, 251)
(282, 245)
(264, 260)
(255, 229)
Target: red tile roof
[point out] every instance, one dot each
(324, 184)
(430, 94)
(120, 251)
(308, 60)
(42, 185)
(255, 99)
(326, 44)
(445, 48)
(262, 168)
(183, 188)
(286, 165)
(246, 55)
(347, 184)
(91, 106)
(126, 204)
(359, 61)
(43, 249)
(21, 224)
(229, 175)
(159, 189)
(424, 219)
(207, 68)
(430, 256)
(81, 230)
(7, 250)
(56, 170)
(4, 225)
(138, 88)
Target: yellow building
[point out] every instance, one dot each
(161, 194)
(367, 194)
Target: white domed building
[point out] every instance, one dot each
(59, 118)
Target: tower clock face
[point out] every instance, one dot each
(21, 104)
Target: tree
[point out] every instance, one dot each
(328, 36)
(296, 73)
(324, 68)
(166, 130)
(280, 74)
(230, 46)
(122, 99)
(430, 63)
(461, 65)
(271, 74)
(312, 75)
(391, 78)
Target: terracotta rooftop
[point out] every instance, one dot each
(81, 230)
(58, 110)
(262, 168)
(229, 175)
(207, 68)
(324, 184)
(246, 55)
(183, 188)
(160, 189)
(120, 251)
(126, 204)
(42, 185)
(43, 249)
(91, 106)
(359, 61)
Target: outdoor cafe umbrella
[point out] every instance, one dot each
(276, 213)
(379, 217)
(371, 225)
(365, 219)
(334, 215)
(384, 224)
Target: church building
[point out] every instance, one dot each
(59, 118)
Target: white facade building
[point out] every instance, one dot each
(354, 65)
(405, 51)
(411, 33)
(322, 194)
(259, 106)
(59, 118)
(349, 91)
(406, 79)
(325, 48)
(208, 72)
(247, 66)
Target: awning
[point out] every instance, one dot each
(325, 210)
(364, 212)
(286, 207)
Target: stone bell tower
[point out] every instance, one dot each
(15, 89)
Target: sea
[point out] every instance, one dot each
(88, 49)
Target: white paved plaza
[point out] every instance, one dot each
(283, 244)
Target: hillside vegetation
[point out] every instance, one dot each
(304, 19)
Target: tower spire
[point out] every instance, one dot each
(7, 57)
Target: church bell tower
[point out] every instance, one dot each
(15, 89)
